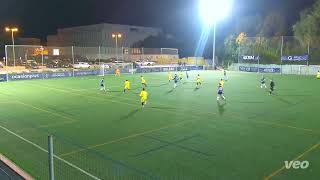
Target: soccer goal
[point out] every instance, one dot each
(112, 68)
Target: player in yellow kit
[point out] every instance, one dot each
(126, 86)
(118, 72)
(170, 76)
(180, 75)
(143, 97)
(222, 83)
(318, 75)
(143, 82)
(199, 81)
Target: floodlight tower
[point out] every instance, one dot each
(212, 11)
(12, 30)
(116, 37)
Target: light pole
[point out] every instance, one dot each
(212, 11)
(12, 30)
(116, 37)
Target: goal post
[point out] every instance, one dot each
(111, 68)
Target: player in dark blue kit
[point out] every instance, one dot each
(187, 75)
(263, 82)
(225, 75)
(102, 85)
(175, 80)
(272, 85)
(220, 93)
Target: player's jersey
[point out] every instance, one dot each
(222, 83)
(176, 79)
(263, 80)
(102, 83)
(220, 90)
(144, 95)
(225, 73)
(180, 75)
(318, 75)
(198, 79)
(127, 84)
(118, 71)
(272, 85)
(143, 81)
(169, 76)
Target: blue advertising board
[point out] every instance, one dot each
(86, 73)
(269, 70)
(261, 70)
(295, 58)
(57, 75)
(48, 75)
(3, 77)
(168, 68)
(25, 76)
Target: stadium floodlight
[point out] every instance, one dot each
(212, 11)
(116, 36)
(12, 30)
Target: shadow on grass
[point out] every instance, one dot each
(169, 92)
(283, 100)
(154, 107)
(251, 102)
(130, 114)
(221, 107)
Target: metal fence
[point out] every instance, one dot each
(20, 55)
(273, 50)
(46, 156)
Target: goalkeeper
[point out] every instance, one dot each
(318, 75)
(118, 72)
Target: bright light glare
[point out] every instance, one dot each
(212, 11)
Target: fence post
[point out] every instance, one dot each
(50, 153)
(281, 55)
(6, 53)
(72, 54)
(42, 56)
(143, 57)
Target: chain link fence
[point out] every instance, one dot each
(25, 58)
(287, 55)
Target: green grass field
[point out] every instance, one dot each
(180, 134)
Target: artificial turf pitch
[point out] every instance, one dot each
(181, 134)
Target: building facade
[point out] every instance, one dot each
(101, 35)
(29, 41)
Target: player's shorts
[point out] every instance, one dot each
(127, 87)
(271, 89)
(220, 92)
(102, 85)
(143, 100)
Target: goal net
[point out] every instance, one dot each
(111, 68)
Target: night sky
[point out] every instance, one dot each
(38, 18)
